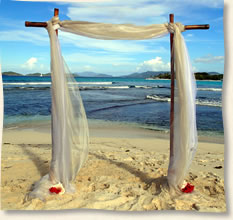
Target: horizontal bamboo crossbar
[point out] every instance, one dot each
(35, 24)
(197, 26)
(187, 27)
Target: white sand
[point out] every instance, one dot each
(125, 170)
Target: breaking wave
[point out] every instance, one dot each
(210, 89)
(205, 102)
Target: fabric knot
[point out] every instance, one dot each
(54, 23)
(55, 20)
(172, 27)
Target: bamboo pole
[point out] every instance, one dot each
(171, 19)
(197, 26)
(41, 24)
(35, 24)
(187, 27)
(56, 12)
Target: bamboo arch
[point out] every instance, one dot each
(171, 19)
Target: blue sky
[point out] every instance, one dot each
(26, 50)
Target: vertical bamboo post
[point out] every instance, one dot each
(56, 13)
(171, 19)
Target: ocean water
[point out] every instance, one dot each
(126, 100)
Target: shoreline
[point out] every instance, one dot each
(98, 128)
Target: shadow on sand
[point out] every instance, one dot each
(41, 165)
(155, 185)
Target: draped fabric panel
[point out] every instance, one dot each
(69, 124)
(185, 131)
(70, 134)
(185, 134)
(113, 31)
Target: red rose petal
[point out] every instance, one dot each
(55, 190)
(188, 188)
(52, 189)
(59, 189)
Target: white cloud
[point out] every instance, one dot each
(87, 67)
(209, 3)
(194, 69)
(189, 35)
(30, 63)
(209, 59)
(33, 65)
(36, 37)
(40, 37)
(96, 59)
(139, 11)
(42, 66)
(156, 64)
(100, 62)
(116, 12)
(111, 45)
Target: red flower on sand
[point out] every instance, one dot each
(188, 188)
(56, 190)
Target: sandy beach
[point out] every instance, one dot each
(126, 170)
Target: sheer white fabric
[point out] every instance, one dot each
(185, 131)
(113, 31)
(185, 134)
(70, 135)
(69, 123)
(69, 126)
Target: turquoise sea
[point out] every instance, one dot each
(126, 100)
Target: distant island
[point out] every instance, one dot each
(198, 76)
(144, 75)
(10, 73)
(38, 74)
(206, 76)
(92, 74)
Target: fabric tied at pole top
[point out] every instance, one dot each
(69, 124)
(55, 22)
(173, 26)
(116, 31)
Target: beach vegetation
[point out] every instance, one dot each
(198, 76)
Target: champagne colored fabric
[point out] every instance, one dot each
(185, 134)
(111, 31)
(185, 131)
(69, 124)
(70, 135)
